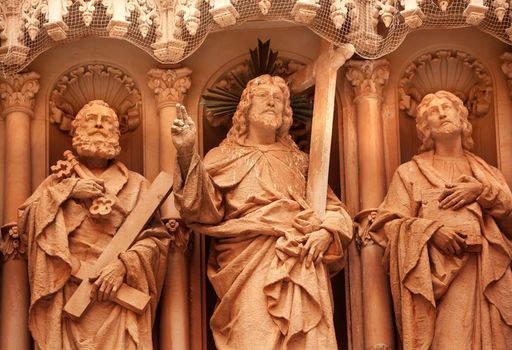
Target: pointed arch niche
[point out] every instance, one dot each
(460, 73)
(96, 81)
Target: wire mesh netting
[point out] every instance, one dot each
(374, 27)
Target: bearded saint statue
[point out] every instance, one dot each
(272, 257)
(63, 236)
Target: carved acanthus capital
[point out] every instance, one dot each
(368, 77)
(18, 91)
(13, 245)
(170, 86)
(180, 236)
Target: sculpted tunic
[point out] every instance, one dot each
(61, 233)
(252, 200)
(446, 301)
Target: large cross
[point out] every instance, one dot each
(322, 73)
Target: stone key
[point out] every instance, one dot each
(125, 236)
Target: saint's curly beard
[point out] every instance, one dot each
(96, 145)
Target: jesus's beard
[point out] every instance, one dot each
(96, 146)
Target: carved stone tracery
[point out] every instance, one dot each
(92, 82)
(31, 10)
(450, 70)
(147, 11)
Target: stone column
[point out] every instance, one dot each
(170, 87)
(368, 79)
(17, 97)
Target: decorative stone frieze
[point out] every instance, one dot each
(13, 245)
(450, 70)
(412, 13)
(368, 77)
(55, 27)
(18, 92)
(223, 12)
(169, 85)
(12, 51)
(341, 10)
(475, 12)
(189, 14)
(31, 11)
(387, 11)
(304, 11)
(264, 6)
(95, 82)
(147, 11)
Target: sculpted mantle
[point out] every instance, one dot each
(252, 200)
(451, 293)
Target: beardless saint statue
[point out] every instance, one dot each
(445, 226)
(272, 256)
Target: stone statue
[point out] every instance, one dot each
(445, 226)
(272, 255)
(68, 229)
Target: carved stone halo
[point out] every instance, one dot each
(95, 82)
(451, 70)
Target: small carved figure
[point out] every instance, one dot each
(445, 225)
(65, 239)
(272, 255)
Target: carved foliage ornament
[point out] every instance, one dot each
(19, 90)
(31, 10)
(169, 85)
(450, 70)
(187, 11)
(95, 82)
(13, 245)
(147, 12)
(368, 76)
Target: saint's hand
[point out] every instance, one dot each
(449, 242)
(88, 188)
(109, 280)
(315, 245)
(183, 131)
(465, 191)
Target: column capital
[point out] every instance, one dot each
(18, 92)
(368, 77)
(13, 245)
(170, 86)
